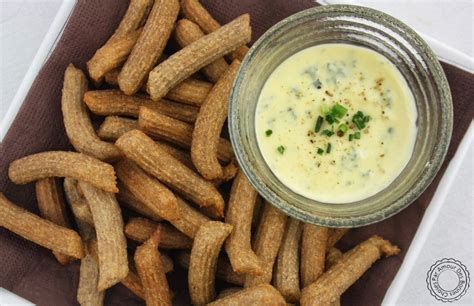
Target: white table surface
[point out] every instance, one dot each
(447, 228)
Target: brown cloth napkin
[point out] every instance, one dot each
(33, 273)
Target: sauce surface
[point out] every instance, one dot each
(336, 123)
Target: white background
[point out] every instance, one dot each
(447, 25)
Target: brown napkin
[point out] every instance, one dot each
(32, 272)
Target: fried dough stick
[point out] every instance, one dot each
(196, 55)
(52, 207)
(267, 243)
(113, 127)
(203, 262)
(78, 125)
(38, 230)
(63, 164)
(328, 287)
(194, 11)
(187, 32)
(287, 274)
(177, 132)
(313, 252)
(112, 246)
(239, 214)
(208, 127)
(151, 271)
(156, 161)
(149, 46)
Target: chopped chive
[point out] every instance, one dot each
(360, 120)
(268, 132)
(351, 136)
(320, 151)
(338, 110)
(357, 135)
(325, 109)
(319, 123)
(367, 119)
(330, 118)
(328, 133)
(344, 128)
(281, 149)
(328, 149)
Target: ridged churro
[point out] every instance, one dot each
(267, 243)
(203, 262)
(63, 164)
(328, 287)
(239, 214)
(114, 102)
(78, 125)
(156, 161)
(38, 230)
(149, 46)
(112, 246)
(196, 55)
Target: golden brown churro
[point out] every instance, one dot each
(140, 229)
(156, 161)
(114, 102)
(287, 271)
(148, 190)
(112, 246)
(208, 126)
(78, 125)
(263, 294)
(203, 262)
(224, 269)
(191, 219)
(52, 207)
(267, 243)
(87, 293)
(149, 46)
(113, 127)
(334, 235)
(194, 11)
(80, 209)
(150, 269)
(190, 91)
(196, 55)
(38, 230)
(329, 286)
(128, 200)
(176, 132)
(111, 55)
(313, 252)
(134, 17)
(187, 32)
(63, 164)
(239, 214)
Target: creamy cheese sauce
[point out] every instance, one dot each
(359, 159)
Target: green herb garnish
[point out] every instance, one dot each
(325, 109)
(281, 149)
(328, 133)
(357, 135)
(330, 118)
(320, 151)
(319, 123)
(360, 120)
(338, 110)
(268, 132)
(351, 136)
(343, 128)
(328, 149)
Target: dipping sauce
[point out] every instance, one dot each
(336, 123)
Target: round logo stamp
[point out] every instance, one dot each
(448, 280)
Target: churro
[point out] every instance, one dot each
(313, 252)
(113, 127)
(263, 294)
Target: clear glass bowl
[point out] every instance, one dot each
(363, 27)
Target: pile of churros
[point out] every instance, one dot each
(161, 137)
